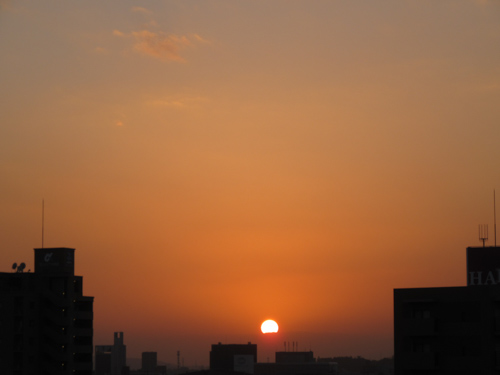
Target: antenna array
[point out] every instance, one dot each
(494, 218)
(43, 218)
(483, 233)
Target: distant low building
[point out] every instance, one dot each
(102, 359)
(241, 359)
(111, 359)
(149, 361)
(348, 365)
(296, 363)
(233, 357)
(453, 330)
(149, 365)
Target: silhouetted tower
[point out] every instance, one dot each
(118, 354)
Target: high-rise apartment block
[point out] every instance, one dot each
(451, 330)
(46, 323)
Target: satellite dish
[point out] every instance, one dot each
(21, 267)
(14, 266)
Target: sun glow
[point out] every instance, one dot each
(269, 326)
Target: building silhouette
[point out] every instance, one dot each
(233, 357)
(242, 359)
(102, 359)
(451, 330)
(111, 359)
(149, 361)
(296, 363)
(149, 365)
(46, 323)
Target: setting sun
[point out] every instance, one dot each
(225, 168)
(269, 326)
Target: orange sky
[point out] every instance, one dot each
(216, 163)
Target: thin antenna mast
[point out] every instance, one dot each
(43, 219)
(494, 218)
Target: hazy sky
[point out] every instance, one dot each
(217, 162)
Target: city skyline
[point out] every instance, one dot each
(218, 163)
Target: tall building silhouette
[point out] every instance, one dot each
(46, 323)
(118, 355)
(451, 330)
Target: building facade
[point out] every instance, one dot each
(296, 363)
(233, 357)
(149, 361)
(46, 323)
(451, 330)
(111, 359)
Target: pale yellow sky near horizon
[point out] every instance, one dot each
(216, 163)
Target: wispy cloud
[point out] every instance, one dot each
(4, 4)
(100, 50)
(198, 38)
(489, 88)
(178, 101)
(486, 2)
(160, 45)
(141, 10)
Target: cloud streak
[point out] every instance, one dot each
(178, 102)
(141, 10)
(160, 45)
(4, 4)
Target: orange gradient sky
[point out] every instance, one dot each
(216, 163)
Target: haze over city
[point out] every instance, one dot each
(217, 163)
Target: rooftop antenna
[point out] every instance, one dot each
(43, 219)
(483, 233)
(19, 268)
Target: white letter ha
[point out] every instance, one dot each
(475, 279)
(490, 278)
